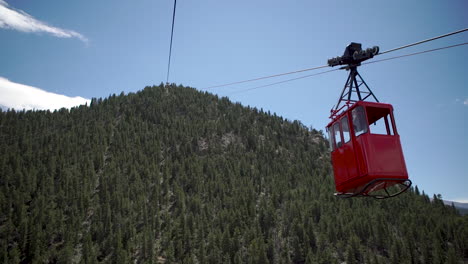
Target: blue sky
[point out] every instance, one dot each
(84, 49)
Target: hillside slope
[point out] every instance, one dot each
(184, 176)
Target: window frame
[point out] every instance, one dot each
(331, 138)
(342, 130)
(384, 120)
(361, 117)
(337, 144)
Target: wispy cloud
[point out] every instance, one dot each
(462, 101)
(15, 19)
(20, 96)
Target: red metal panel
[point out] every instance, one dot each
(350, 160)
(343, 158)
(344, 165)
(360, 153)
(339, 167)
(385, 157)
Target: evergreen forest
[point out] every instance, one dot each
(175, 175)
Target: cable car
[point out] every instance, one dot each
(366, 152)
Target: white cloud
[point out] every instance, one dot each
(20, 96)
(465, 102)
(11, 18)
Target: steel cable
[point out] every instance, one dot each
(415, 53)
(424, 41)
(365, 63)
(170, 46)
(264, 77)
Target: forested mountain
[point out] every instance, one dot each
(181, 176)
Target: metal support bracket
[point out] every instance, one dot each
(351, 59)
(352, 91)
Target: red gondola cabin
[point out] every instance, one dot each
(365, 149)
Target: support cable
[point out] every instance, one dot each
(364, 63)
(415, 53)
(424, 41)
(288, 80)
(170, 47)
(265, 77)
(324, 66)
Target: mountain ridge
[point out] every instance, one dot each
(461, 207)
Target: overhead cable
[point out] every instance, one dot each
(324, 66)
(170, 46)
(265, 77)
(375, 61)
(288, 80)
(424, 41)
(416, 53)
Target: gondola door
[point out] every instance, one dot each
(343, 158)
(348, 149)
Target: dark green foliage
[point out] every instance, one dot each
(187, 177)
